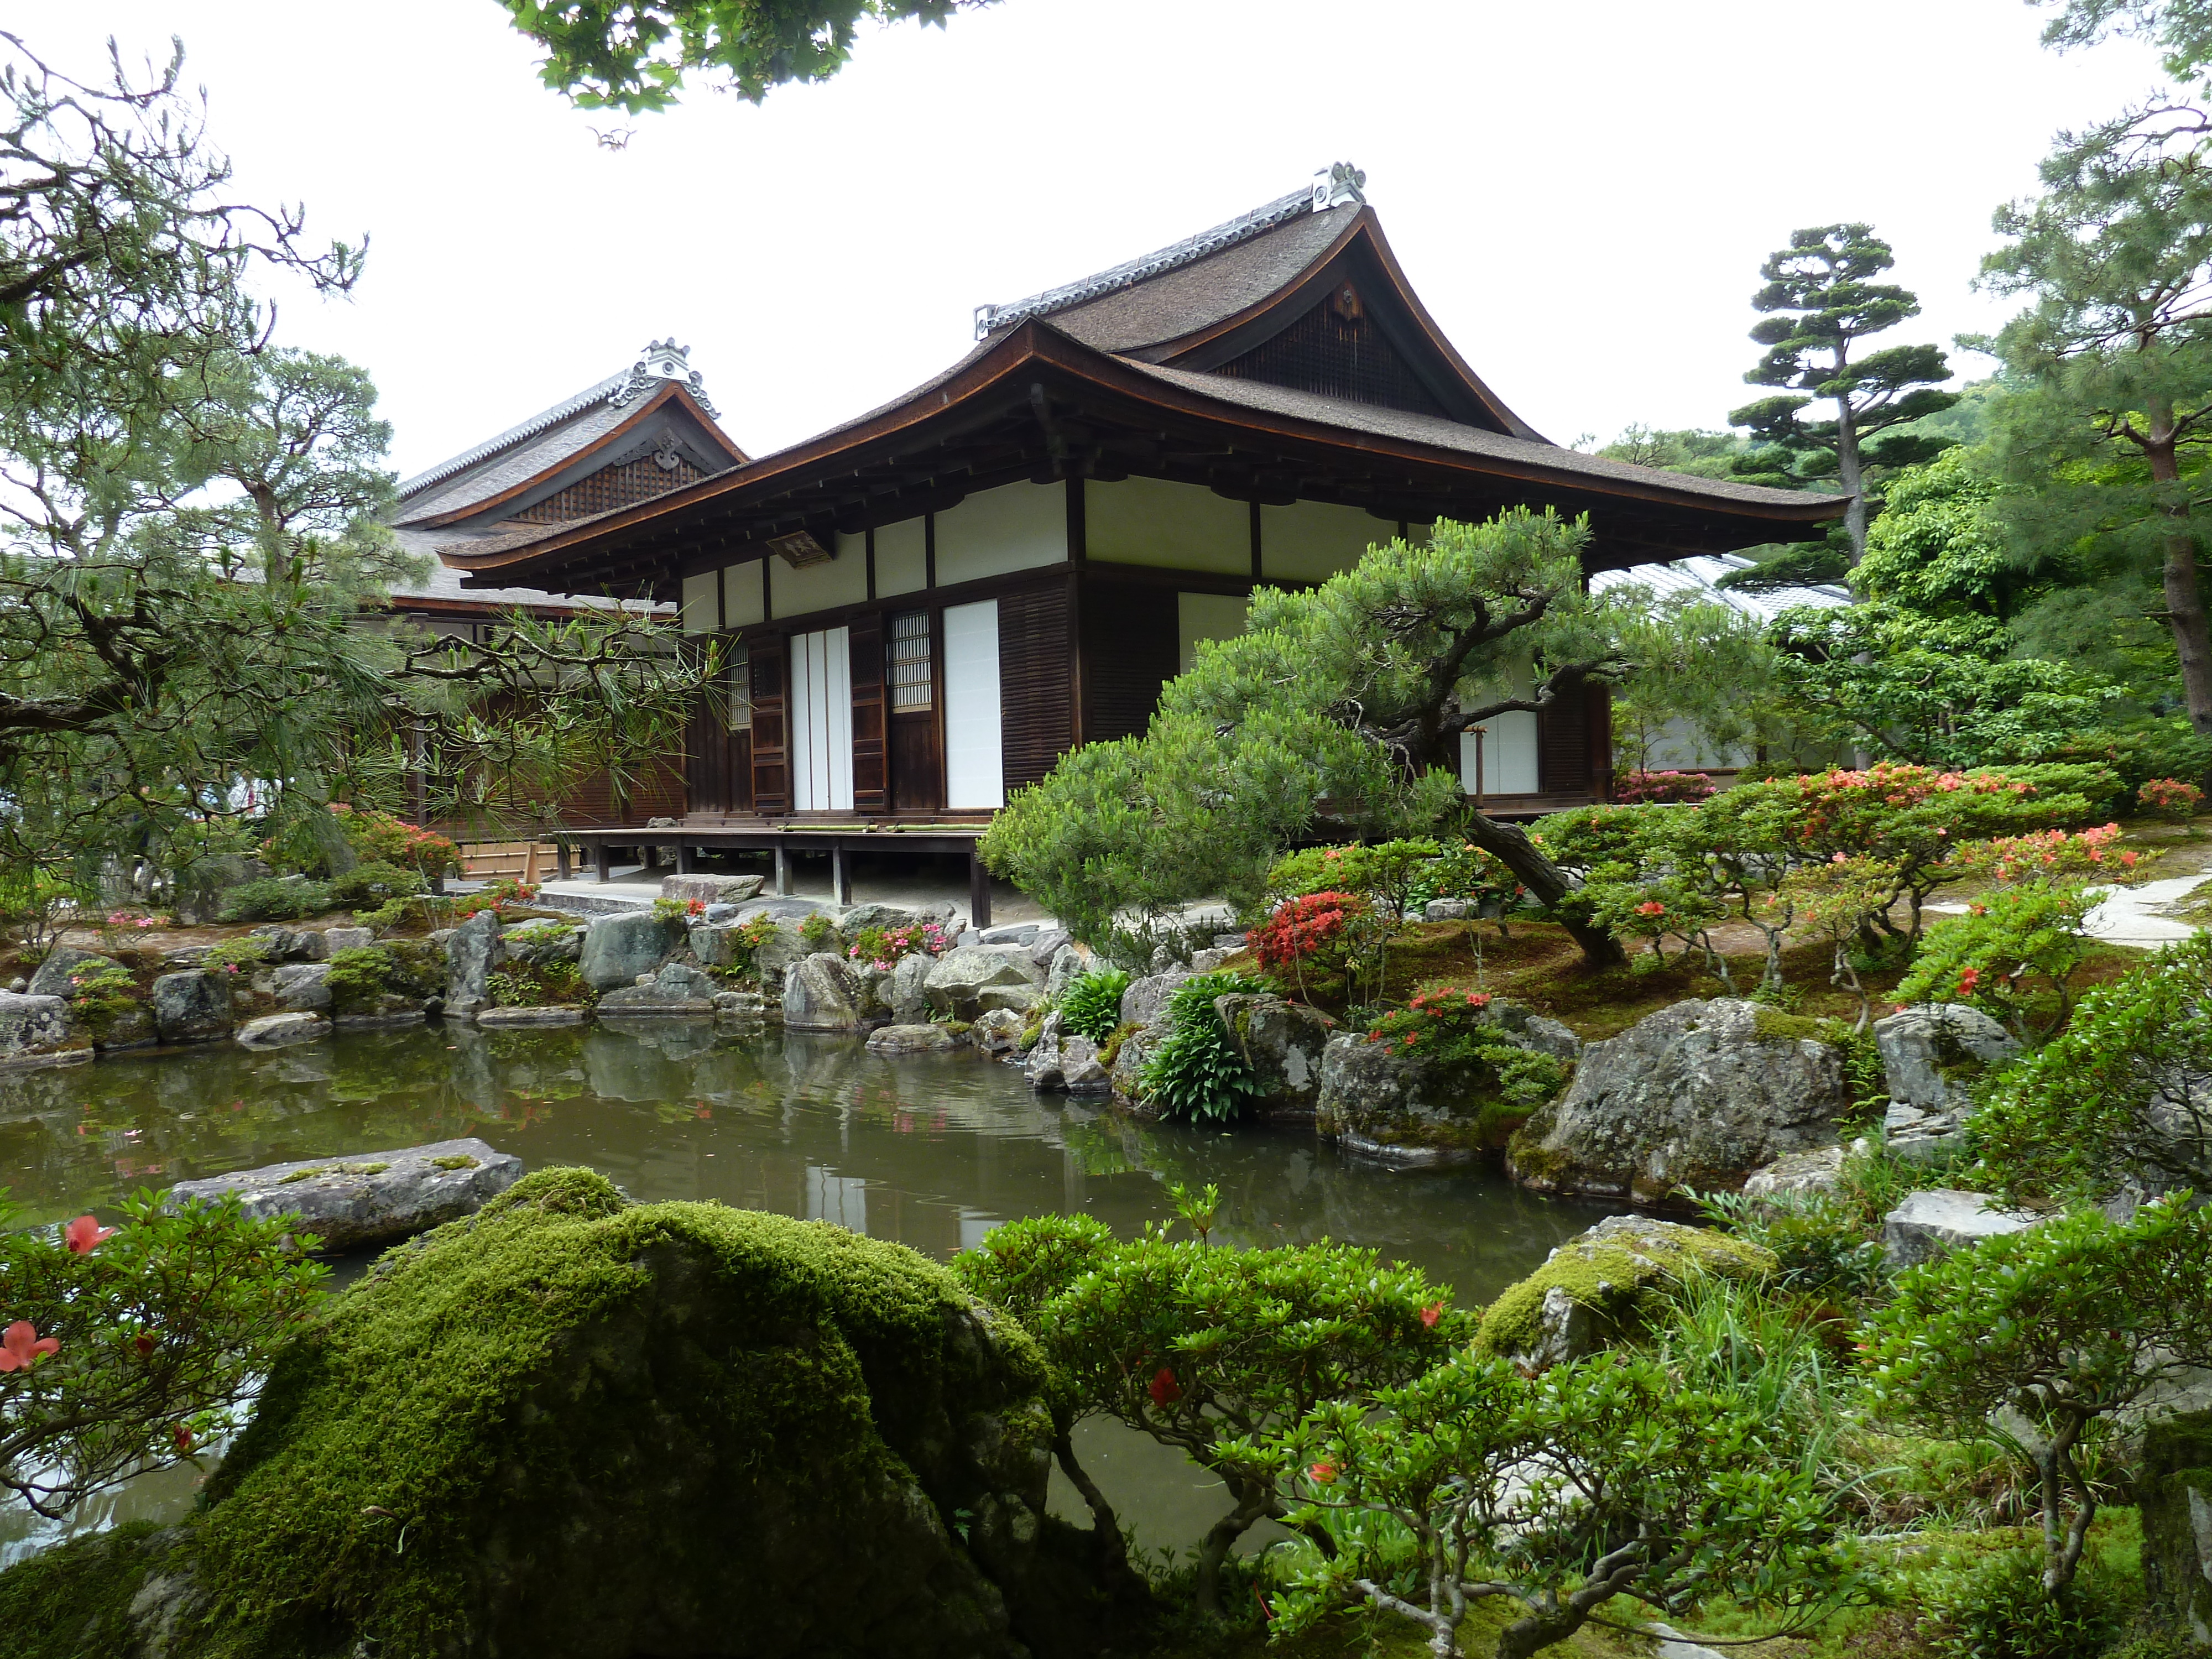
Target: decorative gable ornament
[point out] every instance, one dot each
(1339, 184)
(663, 361)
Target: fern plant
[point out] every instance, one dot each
(1196, 1074)
(1092, 1006)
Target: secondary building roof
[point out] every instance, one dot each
(1279, 356)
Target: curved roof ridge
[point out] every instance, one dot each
(991, 319)
(575, 404)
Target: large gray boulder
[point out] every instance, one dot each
(617, 949)
(1798, 1174)
(716, 944)
(302, 987)
(282, 1030)
(192, 1006)
(906, 993)
(1065, 1061)
(710, 890)
(675, 990)
(819, 995)
(63, 961)
(1697, 1095)
(958, 981)
(2173, 1490)
(1936, 1221)
(493, 1018)
(293, 944)
(1066, 966)
(1931, 1055)
(911, 1040)
(777, 953)
(543, 941)
(997, 1032)
(473, 950)
(1379, 1101)
(1126, 1073)
(36, 1031)
(1146, 998)
(1282, 1043)
(368, 1198)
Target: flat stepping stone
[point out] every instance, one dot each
(368, 1198)
(550, 1015)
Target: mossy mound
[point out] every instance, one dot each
(569, 1425)
(1598, 1286)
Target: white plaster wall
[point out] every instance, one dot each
(1312, 541)
(700, 612)
(1207, 616)
(744, 597)
(974, 765)
(1017, 527)
(842, 580)
(901, 561)
(1175, 526)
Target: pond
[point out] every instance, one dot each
(929, 1151)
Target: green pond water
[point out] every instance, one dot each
(931, 1151)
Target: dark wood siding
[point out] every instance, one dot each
(1036, 682)
(1129, 651)
(771, 769)
(1336, 349)
(1563, 754)
(871, 792)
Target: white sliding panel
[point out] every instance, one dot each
(974, 769)
(821, 737)
(1509, 755)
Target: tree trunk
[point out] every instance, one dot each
(1112, 1549)
(1213, 1548)
(2184, 600)
(1852, 477)
(1510, 845)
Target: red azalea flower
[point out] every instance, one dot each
(1163, 1388)
(84, 1235)
(1322, 1474)
(1433, 1313)
(20, 1343)
(182, 1436)
(144, 1343)
(1968, 978)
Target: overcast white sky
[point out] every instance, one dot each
(1582, 193)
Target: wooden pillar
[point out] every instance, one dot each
(978, 892)
(782, 870)
(603, 860)
(684, 859)
(840, 875)
(561, 864)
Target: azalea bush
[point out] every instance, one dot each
(1092, 1005)
(276, 900)
(1197, 1074)
(2063, 1327)
(1555, 1493)
(127, 1348)
(2015, 955)
(882, 947)
(1197, 1346)
(1450, 1029)
(1386, 874)
(2169, 797)
(1633, 788)
(2123, 1093)
(2045, 855)
(379, 838)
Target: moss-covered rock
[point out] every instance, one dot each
(2175, 1493)
(1599, 1285)
(569, 1425)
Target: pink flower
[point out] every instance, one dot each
(1433, 1313)
(84, 1235)
(1323, 1473)
(20, 1343)
(1163, 1388)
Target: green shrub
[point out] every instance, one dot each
(276, 900)
(1196, 1073)
(1821, 1247)
(1092, 1007)
(541, 985)
(1449, 1027)
(243, 952)
(371, 884)
(358, 978)
(1995, 1609)
(1386, 874)
(818, 933)
(2014, 955)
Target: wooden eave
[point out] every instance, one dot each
(1361, 254)
(1037, 403)
(670, 391)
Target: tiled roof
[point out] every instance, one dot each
(515, 434)
(1699, 573)
(442, 583)
(533, 452)
(992, 319)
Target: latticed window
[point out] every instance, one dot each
(740, 715)
(910, 677)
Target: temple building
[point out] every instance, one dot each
(930, 604)
(624, 439)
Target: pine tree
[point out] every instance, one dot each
(1821, 302)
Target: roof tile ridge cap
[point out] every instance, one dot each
(992, 319)
(575, 403)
